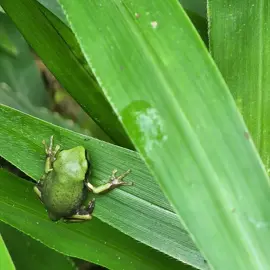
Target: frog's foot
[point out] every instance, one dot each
(84, 213)
(114, 182)
(50, 153)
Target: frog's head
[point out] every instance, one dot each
(73, 163)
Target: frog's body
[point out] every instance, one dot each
(64, 193)
(63, 188)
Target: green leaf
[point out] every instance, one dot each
(5, 262)
(240, 39)
(197, 7)
(21, 86)
(55, 44)
(19, 70)
(141, 211)
(196, 10)
(179, 114)
(30, 254)
(94, 241)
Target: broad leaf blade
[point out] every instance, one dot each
(240, 47)
(93, 241)
(181, 117)
(30, 254)
(140, 211)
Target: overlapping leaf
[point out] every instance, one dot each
(178, 111)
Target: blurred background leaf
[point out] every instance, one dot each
(22, 87)
(53, 41)
(18, 68)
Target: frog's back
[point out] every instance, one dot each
(62, 197)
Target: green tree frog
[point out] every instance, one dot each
(63, 188)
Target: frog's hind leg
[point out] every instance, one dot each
(83, 214)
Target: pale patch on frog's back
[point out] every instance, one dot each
(71, 164)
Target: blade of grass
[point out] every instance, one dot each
(55, 44)
(141, 211)
(179, 113)
(93, 241)
(30, 254)
(6, 261)
(240, 47)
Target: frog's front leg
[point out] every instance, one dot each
(115, 181)
(84, 213)
(50, 158)
(50, 154)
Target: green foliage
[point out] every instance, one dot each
(30, 254)
(18, 69)
(175, 123)
(94, 241)
(6, 261)
(240, 45)
(21, 86)
(132, 210)
(141, 64)
(62, 57)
